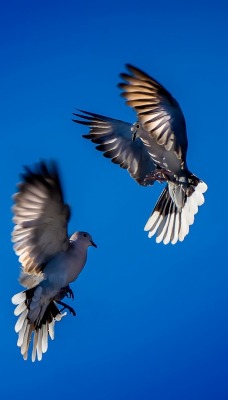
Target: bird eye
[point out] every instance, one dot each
(137, 126)
(84, 234)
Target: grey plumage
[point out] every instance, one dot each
(50, 260)
(153, 148)
(114, 138)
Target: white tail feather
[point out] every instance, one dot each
(169, 222)
(170, 226)
(26, 329)
(176, 227)
(24, 346)
(21, 334)
(20, 308)
(51, 329)
(45, 338)
(21, 320)
(39, 345)
(163, 228)
(19, 298)
(35, 339)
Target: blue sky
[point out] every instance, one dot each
(152, 320)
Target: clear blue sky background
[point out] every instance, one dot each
(152, 320)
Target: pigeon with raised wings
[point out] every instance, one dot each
(154, 148)
(50, 260)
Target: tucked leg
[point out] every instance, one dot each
(159, 175)
(66, 291)
(69, 292)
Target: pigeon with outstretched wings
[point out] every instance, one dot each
(50, 260)
(154, 148)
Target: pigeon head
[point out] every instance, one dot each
(84, 237)
(135, 130)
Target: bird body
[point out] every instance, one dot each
(65, 267)
(50, 259)
(160, 156)
(154, 148)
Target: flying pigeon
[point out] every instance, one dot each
(50, 260)
(154, 148)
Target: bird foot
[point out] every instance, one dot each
(65, 306)
(68, 292)
(159, 175)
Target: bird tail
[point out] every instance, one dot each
(35, 320)
(175, 209)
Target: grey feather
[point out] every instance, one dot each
(114, 138)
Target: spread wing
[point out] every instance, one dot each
(114, 139)
(158, 112)
(40, 217)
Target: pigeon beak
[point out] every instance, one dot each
(93, 244)
(133, 136)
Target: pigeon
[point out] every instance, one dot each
(154, 148)
(50, 260)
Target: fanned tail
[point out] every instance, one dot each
(175, 210)
(34, 321)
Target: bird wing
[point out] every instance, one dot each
(114, 138)
(158, 112)
(40, 218)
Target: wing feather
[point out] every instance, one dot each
(40, 217)
(114, 139)
(158, 112)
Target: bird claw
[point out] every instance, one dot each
(72, 311)
(69, 293)
(65, 306)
